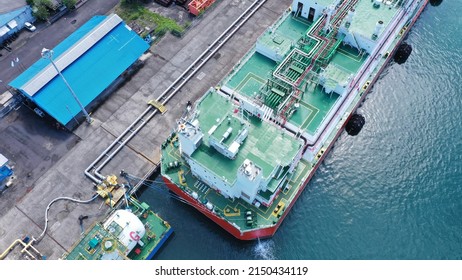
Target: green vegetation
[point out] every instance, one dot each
(40, 8)
(70, 4)
(46, 3)
(132, 10)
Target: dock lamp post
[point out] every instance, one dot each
(48, 54)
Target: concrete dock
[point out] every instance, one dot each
(61, 157)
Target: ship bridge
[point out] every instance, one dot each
(228, 135)
(233, 152)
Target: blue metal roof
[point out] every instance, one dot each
(88, 75)
(5, 18)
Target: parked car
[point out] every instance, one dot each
(30, 26)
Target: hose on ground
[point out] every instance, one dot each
(58, 199)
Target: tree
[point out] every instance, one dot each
(70, 4)
(41, 12)
(46, 3)
(129, 2)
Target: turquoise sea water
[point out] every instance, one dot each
(392, 192)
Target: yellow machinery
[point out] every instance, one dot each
(158, 106)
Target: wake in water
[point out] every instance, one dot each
(264, 249)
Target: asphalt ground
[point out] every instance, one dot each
(8, 5)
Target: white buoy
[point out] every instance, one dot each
(195, 195)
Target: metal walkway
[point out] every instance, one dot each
(94, 169)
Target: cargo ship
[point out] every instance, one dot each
(133, 232)
(243, 153)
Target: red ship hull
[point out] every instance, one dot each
(270, 231)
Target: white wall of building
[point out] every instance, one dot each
(318, 7)
(190, 137)
(248, 180)
(245, 187)
(307, 4)
(273, 54)
(213, 181)
(358, 41)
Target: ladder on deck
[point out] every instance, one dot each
(267, 112)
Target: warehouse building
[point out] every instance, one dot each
(13, 16)
(93, 60)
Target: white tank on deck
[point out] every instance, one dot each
(132, 228)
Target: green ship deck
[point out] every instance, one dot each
(233, 210)
(256, 69)
(90, 246)
(300, 81)
(265, 145)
